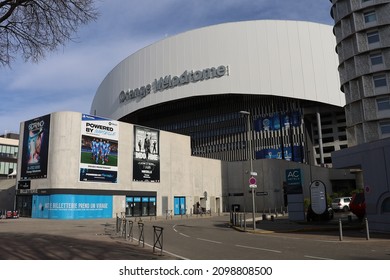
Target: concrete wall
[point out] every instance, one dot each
(180, 173)
(7, 194)
(374, 160)
(271, 173)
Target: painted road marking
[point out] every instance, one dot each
(261, 249)
(207, 240)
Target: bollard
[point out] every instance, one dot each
(341, 230)
(244, 221)
(367, 229)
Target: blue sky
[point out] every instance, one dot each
(67, 79)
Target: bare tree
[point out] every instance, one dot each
(32, 28)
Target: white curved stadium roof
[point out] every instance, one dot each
(265, 57)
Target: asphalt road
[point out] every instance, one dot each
(213, 239)
(195, 238)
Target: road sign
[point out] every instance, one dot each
(253, 186)
(261, 193)
(252, 181)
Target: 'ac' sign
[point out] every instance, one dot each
(293, 177)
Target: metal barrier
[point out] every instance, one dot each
(141, 234)
(129, 231)
(123, 227)
(168, 213)
(158, 238)
(117, 227)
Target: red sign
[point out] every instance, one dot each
(252, 181)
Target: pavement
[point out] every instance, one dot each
(342, 225)
(42, 239)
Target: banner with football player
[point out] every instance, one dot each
(99, 149)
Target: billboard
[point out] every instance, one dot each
(71, 206)
(146, 160)
(99, 150)
(35, 148)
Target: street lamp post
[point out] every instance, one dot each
(251, 164)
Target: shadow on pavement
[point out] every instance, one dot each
(34, 246)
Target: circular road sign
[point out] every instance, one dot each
(252, 181)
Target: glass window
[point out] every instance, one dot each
(385, 127)
(380, 80)
(373, 37)
(376, 59)
(383, 103)
(369, 17)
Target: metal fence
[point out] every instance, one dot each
(125, 228)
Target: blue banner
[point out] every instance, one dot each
(276, 121)
(290, 154)
(70, 206)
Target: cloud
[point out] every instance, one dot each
(68, 78)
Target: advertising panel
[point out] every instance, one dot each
(146, 161)
(277, 121)
(35, 148)
(70, 206)
(99, 150)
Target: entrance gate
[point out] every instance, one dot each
(180, 205)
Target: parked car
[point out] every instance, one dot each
(12, 214)
(358, 205)
(326, 216)
(341, 203)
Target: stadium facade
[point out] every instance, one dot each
(196, 83)
(174, 115)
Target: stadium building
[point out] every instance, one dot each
(185, 116)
